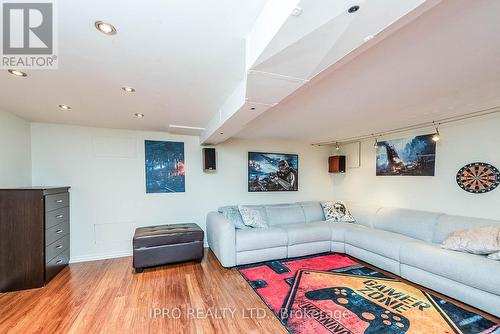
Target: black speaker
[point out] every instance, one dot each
(209, 163)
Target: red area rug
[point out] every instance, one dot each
(330, 293)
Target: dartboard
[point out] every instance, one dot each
(478, 177)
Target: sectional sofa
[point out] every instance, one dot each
(403, 242)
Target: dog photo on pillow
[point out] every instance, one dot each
(337, 212)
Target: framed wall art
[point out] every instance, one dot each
(273, 172)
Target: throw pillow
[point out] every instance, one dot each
(232, 214)
(253, 216)
(337, 211)
(482, 240)
(494, 256)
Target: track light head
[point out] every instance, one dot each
(435, 136)
(337, 146)
(375, 144)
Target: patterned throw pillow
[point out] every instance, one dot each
(481, 240)
(337, 212)
(253, 216)
(232, 214)
(494, 256)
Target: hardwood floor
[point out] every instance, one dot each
(107, 297)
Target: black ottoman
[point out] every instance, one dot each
(157, 245)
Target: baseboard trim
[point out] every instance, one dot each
(102, 256)
(105, 256)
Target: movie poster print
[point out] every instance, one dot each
(272, 172)
(164, 166)
(413, 156)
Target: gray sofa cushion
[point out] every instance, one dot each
(284, 214)
(364, 215)
(448, 224)
(474, 270)
(486, 301)
(416, 224)
(313, 211)
(232, 214)
(306, 232)
(379, 242)
(339, 229)
(260, 238)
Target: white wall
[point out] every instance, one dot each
(105, 169)
(15, 151)
(460, 144)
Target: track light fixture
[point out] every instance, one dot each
(375, 144)
(436, 137)
(337, 146)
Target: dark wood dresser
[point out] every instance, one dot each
(34, 236)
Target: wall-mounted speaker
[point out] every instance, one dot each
(336, 164)
(209, 160)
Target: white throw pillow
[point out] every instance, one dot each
(253, 216)
(337, 212)
(482, 240)
(494, 256)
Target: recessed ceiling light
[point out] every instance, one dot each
(105, 28)
(18, 73)
(128, 89)
(221, 133)
(253, 108)
(139, 115)
(297, 11)
(64, 107)
(353, 9)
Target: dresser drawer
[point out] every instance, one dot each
(56, 265)
(56, 217)
(56, 232)
(54, 249)
(56, 201)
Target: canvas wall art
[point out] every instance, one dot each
(273, 172)
(164, 166)
(413, 156)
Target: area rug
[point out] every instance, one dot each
(331, 293)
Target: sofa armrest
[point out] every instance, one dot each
(221, 235)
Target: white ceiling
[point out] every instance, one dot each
(286, 51)
(186, 58)
(183, 57)
(444, 63)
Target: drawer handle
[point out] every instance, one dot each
(59, 231)
(59, 216)
(59, 261)
(59, 201)
(59, 247)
